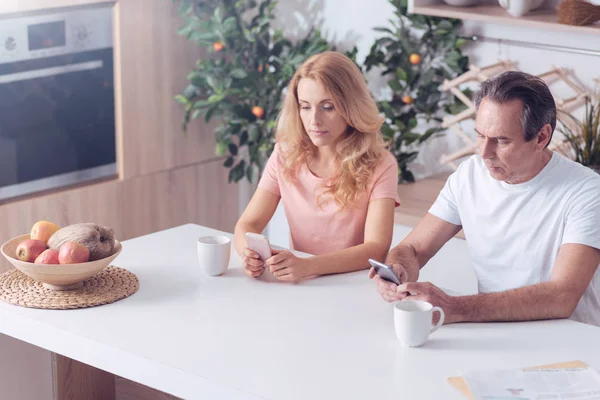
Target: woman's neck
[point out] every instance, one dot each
(323, 163)
(325, 155)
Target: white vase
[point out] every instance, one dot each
(518, 8)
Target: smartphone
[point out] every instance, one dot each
(260, 244)
(384, 271)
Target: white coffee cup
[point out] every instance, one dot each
(518, 8)
(214, 253)
(413, 321)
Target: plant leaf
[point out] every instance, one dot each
(233, 149)
(238, 73)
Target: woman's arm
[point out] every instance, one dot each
(255, 217)
(379, 228)
(378, 238)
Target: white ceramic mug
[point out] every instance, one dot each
(214, 253)
(413, 321)
(518, 8)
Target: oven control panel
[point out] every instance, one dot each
(55, 33)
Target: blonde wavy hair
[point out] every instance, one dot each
(359, 150)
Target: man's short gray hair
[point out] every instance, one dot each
(539, 107)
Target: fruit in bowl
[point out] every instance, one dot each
(43, 230)
(99, 240)
(48, 256)
(28, 250)
(73, 254)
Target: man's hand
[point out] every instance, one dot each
(287, 267)
(426, 291)
(389, 290)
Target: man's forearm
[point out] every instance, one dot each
(541, 301)
(405, 255)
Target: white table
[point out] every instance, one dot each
(233, 337)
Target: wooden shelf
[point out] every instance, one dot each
(416, 199)
(544, 18)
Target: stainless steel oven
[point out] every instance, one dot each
(57, 109)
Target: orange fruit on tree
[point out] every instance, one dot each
(414, 59)
(258, 111)
(407, 99)
(218, 46)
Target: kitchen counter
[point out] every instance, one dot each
(197, 337)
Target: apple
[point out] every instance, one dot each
(42, 230)
(49, 256)
(29, 249)
(73, 253)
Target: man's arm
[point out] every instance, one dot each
(557, 298)
(422, 243)
(408, 257)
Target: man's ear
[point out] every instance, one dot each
(544, 137)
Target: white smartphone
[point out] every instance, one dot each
(260, 244)
(384, 271)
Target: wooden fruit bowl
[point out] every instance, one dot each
(57, 276)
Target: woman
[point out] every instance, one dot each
(330, 168)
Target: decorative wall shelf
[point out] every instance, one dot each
(544, 18)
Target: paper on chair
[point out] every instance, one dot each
(568, 383)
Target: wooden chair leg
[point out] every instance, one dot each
(75, 381)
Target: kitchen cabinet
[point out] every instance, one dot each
(164, 179)
(151, 66)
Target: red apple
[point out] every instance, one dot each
(73, 253)
(49, 256)
(29, 249)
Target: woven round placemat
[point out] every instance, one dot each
(109, 285)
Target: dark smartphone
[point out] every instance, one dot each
(384, 271)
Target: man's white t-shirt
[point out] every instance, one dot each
(514, 232)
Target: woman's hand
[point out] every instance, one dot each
(253, 265)
(287, 267)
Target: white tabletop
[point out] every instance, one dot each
(196, 336)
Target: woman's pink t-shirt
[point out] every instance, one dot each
(323, 229)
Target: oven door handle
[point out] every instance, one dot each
(52, 71)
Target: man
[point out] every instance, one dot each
(531, 218)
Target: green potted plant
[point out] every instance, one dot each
(583, 136)
(241, 82)
(416, 54)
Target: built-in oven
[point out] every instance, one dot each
(57, 108)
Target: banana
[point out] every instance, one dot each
(100, 240)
